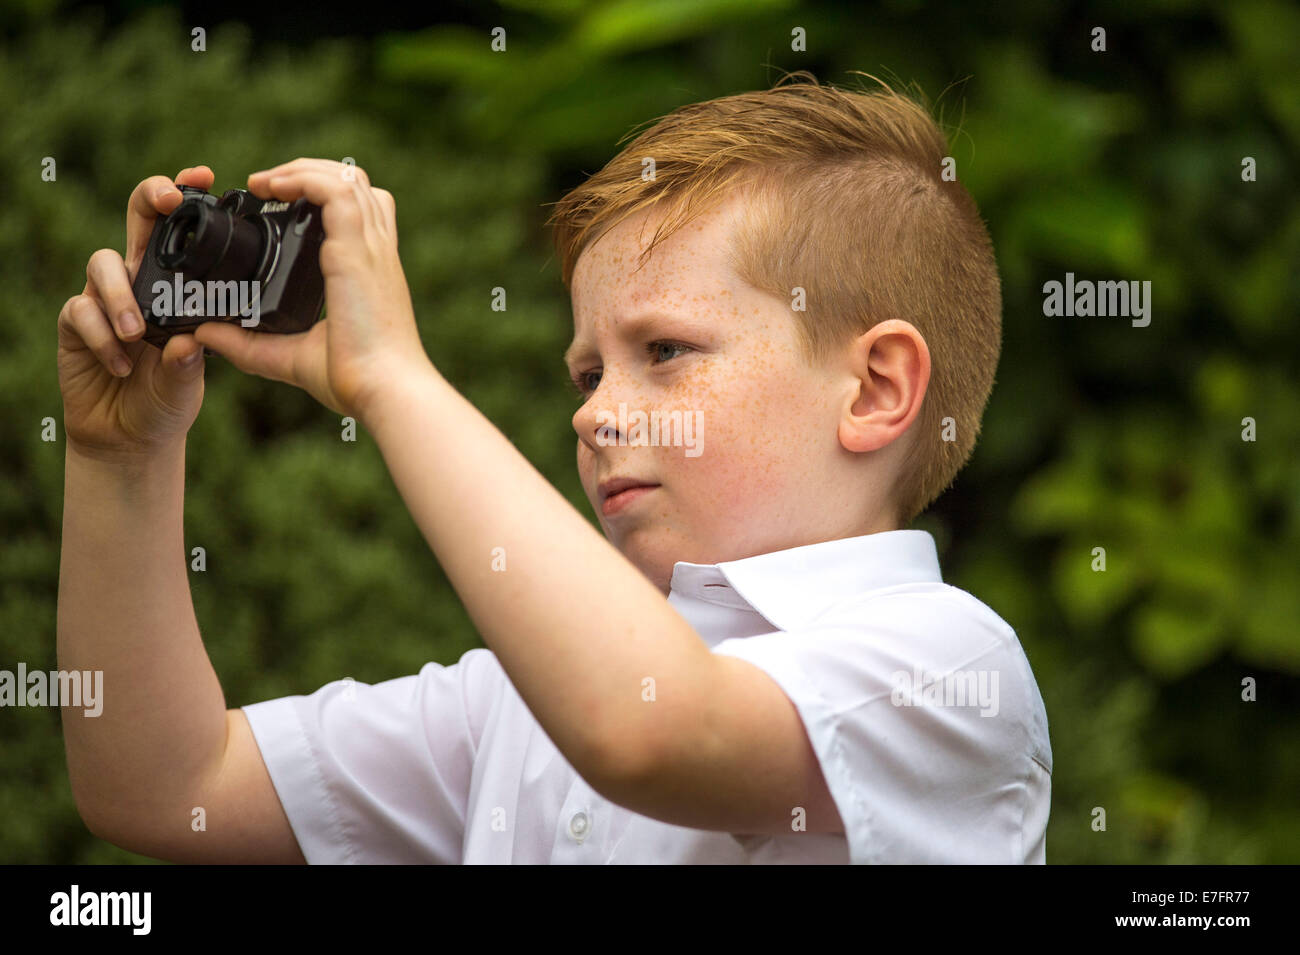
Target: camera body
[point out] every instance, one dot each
(239, 259)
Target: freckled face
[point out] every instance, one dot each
(686, 334)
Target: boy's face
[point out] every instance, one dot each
(760, 467)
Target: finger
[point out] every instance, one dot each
(346, 207)
(326, 171)
(349, 173)
(176, 352)
(110, 286)
(265, 354)
(199, 176)
(82, 320)
(373, 212)
(156, 196)
(386, 202)
(311, 178)
(388, 210)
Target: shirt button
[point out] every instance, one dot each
(578, 826)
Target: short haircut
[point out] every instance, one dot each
(849, 201)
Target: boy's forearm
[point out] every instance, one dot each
(125, 609)
(577, 626)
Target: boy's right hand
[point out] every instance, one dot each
(154, 399)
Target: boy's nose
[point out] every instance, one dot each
(597, 418)
(590, 422)
(608, 429)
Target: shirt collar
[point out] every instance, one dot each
(793, 587)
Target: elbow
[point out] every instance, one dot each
(89, 803)
(625, 764)
(100, 825)
(111, 828)
(108, 819)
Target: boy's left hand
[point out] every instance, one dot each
(369, 334)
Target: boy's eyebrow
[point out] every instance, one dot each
(627, 327)
(572, 352)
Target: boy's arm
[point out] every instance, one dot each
(578, 629)
(164, 742)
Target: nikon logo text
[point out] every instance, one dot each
(212, 299)
(273, 206)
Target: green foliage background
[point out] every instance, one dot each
(1123, 164)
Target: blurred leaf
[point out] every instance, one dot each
(621, 26)
(1097, 227)
(553, 9)
(1266, 31)
(1172, 639)
(447, 54)
(1090, 596)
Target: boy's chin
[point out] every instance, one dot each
(645, 557)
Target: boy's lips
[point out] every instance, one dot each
(617, 493)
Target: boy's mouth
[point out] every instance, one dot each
(617, 493)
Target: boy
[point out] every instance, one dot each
(826, 305)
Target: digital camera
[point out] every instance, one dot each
(239, 259)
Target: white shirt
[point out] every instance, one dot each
(449, 766)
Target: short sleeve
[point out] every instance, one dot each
(914, 783)
(380, 773)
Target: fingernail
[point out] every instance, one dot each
(129, 322)
(121, 367)
(190, 360)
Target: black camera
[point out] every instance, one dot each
(237, 259)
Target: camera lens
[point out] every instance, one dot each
(178, 249)
(205, 241)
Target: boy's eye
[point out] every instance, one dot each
(581, 384)
(656, 349)
(659, 351)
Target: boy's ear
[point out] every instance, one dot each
(889, 371)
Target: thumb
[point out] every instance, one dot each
(255, 353)
(181, 363)
(176, 382)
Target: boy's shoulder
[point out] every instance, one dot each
(935, 633)
(920, 606)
